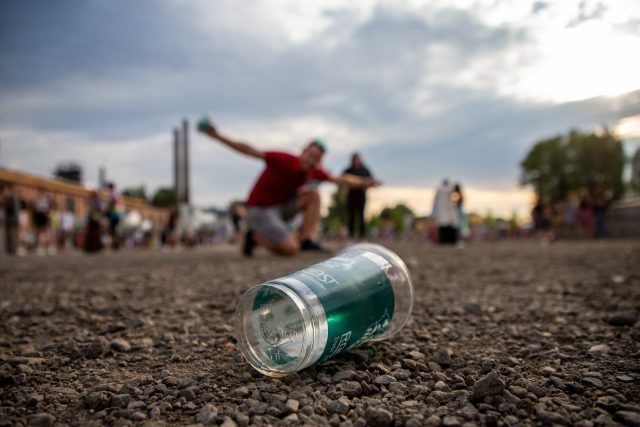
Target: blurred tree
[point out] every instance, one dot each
(546, 168)
(401, 216)
(598, 161)
(165, 198)
(577, 161)
(490, 221)
(514, 223)
(135, 192)
(635, 172)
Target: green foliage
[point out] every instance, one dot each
(136, 192)
(577, 161)
(514, 222)
(165, 198)
(336, 214)
(635, 172)
(401, 216)
(490, 220)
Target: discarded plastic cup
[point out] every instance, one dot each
(288, 324)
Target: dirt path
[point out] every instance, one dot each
(502, 334)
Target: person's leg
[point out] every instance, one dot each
(351, 217)
(362, 226)
(308, 203)
(286, 247)
(268, 228)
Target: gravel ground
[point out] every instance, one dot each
(509, 333)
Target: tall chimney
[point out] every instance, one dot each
(186, 171)
(102, 178)
(177, 169)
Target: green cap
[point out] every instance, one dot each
(321, 144)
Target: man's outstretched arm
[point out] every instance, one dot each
(354, 181)
(208, 128)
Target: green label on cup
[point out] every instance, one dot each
(356, 296)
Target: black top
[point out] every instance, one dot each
(357, 171)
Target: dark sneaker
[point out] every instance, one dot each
(310, 245)
(249, 244)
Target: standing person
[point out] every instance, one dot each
(41, 211)
(357, 199)
(67, 225)
(463, 222)
(93, 234)
(11, 209)
(115, 212)
(284, 188)
(541, 215)
(445, 215)
(168, 237)
(585, 217)
(601, 201)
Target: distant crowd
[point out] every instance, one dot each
(42, 227)
(578, 215)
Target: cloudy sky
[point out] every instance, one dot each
(423, 89)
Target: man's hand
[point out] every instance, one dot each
(354, 181)
(205, 126)
(372, 182)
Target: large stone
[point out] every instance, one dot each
(489, 385)
(340, 406)
(442, 357)
(628, 418)
(378, 417)
(599, 350)
(624, 318)
(41, 420)
(208, 414)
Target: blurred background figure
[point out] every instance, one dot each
(67, 228)
(570, 214)
(237, 212)
(93, 234)
(357, 199)
(601, 201)
(41, 211)
(115, 212)
(387, 230)
(445, 214)
(463, 222)
(541, 217)
(168, 237)
(585, 217)
(11, 210)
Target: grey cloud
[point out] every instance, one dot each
(170, 70)
(538, 6)
(586, 12)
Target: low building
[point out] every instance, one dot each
(67, 196)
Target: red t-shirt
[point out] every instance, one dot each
(281, 179)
